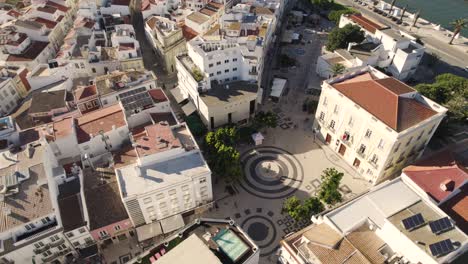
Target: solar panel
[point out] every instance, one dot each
(441, 225)
(136, 99)
(441, 248)
(413, 222)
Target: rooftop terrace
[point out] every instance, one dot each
(229, 92)
(206, 241)
(26, 195)
(118, 81)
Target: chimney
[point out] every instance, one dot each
(447, 185)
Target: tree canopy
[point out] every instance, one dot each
(299, 210)
(329, 192)
(223, 157)
(337, 69)
(340, 37)
(265, 119)
(336, 14)
(450, 91)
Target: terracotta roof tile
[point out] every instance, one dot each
(457, 208)
(429, 173)
(100, 120)
(58, 6)
(158, 138)
(188, 32)
(367, 24)
(382, 99)
(157, 95)
(14, 13)
(121, 2)
(145, 5)
(30, 53)
(47, 9)
(126, 46)
(63, 128)
(85, 92)
(48, 23)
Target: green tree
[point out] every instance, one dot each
(340, 37)
(320, 3)
(458, 25)
(265, 119)
(299, 210)
(337, 69)
(314, 206)
(222, 155)
(291, 204)
(329, 192)
(335, 15)
(450, 91)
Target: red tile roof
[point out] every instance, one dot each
(457, 208)
(188, 33)
(382, 98)
(14, 13)
(30, 53)
(58, 6)
(63, 128)
(85, 92)
(158, 138)
(126, 46)
(47, 9)
(365, 23)
(46, 22)
(23, 76)
(145, 5)
(157, 95)
(99, 120)
(121, 2)
(429, 173)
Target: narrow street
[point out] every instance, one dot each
(150, 59)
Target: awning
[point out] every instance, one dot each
(278, 87)
(172, 223)
(178, 95)
(148, 231)
(188, 108)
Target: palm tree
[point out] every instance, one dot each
(403, 13)
(458, 25)
(391, 8)
(337, 69)
(415, 19)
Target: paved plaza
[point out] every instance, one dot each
(289, 162)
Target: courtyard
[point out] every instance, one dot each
(288, 163)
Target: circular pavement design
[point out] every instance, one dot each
(271, 172)
(263, 231)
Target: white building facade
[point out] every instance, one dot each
(376, 141)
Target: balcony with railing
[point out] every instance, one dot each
(57, 242)
(41, 249)
(347, 139)
(50, 257)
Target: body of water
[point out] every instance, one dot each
(438, 11)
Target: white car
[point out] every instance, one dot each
(466, 68)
